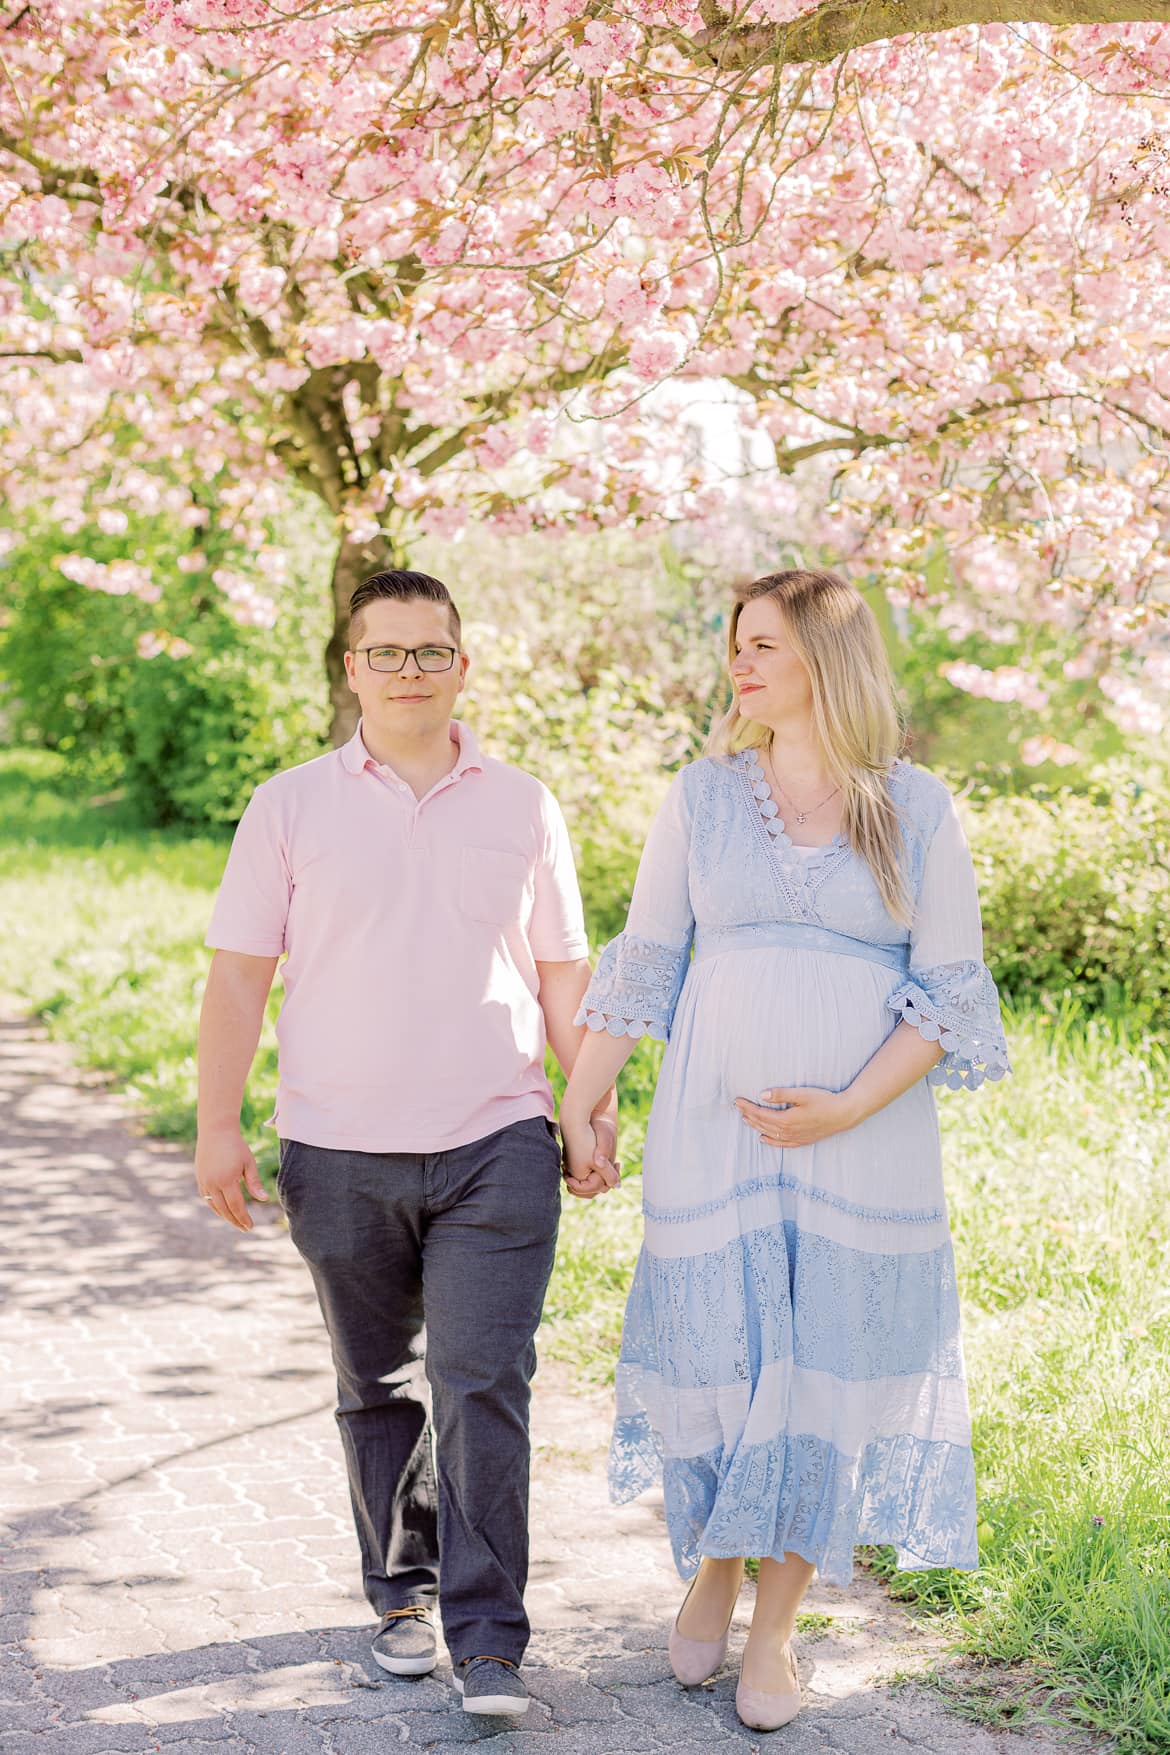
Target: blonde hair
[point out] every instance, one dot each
(855, 714)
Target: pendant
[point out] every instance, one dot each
(800, 816)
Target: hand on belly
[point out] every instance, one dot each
(798, 1116)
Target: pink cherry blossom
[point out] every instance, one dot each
(415, 264)
(655, 353)
(1034, 750)
(116, 578)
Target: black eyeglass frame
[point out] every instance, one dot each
(408, 652)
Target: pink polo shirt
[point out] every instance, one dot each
(413, 927)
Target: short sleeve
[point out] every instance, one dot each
(251, 908)
(640, 974)
(949, 995)
(557, 928)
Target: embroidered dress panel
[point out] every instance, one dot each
(791, 1364)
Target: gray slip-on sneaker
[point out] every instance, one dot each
(405, 1643)
(491, 1685)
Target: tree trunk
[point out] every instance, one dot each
(355, 561)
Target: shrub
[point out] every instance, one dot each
(1075, 888)
(189, 732)
(203, 735)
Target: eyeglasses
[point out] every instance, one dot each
(394, 657)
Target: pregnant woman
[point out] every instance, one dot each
(791, 1362)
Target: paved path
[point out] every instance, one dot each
(179, 1569)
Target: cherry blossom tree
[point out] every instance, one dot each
(435, 262)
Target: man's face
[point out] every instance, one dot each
(409, 702)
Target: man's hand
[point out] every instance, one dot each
(222, 1160)
(603, 1121)
(590, 1166)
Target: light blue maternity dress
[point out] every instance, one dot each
(791, 1361)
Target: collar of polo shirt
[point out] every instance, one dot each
(356, 757)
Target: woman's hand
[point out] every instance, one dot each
(590, 1167)
(811, 1114)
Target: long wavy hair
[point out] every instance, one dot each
(855, 713)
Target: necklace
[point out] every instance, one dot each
(801, 815)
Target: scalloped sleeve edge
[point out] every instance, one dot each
(959, 1009)
(635, 988)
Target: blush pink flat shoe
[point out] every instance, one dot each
(696, 1660)
(762, 1710)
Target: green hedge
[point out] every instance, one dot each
(201, 737)
(184, 738)
(1075, 888)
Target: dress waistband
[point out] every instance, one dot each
(712, 941)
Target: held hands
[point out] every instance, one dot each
(590, 1167)
(221, 1160)
(810, 1115)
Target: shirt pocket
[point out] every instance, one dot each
(493, 886)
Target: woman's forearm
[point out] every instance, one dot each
(903, 1058)
(600, 1059)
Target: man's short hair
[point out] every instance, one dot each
(402, 587)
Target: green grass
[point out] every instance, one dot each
(1058, 1184)
(105, 939)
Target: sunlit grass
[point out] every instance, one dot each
(1060, 1198)
(104, 938)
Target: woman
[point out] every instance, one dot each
(791, 1359)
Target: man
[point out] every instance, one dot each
(426, 898)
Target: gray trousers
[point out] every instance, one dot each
(464, 1239)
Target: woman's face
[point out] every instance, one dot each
(770, 681)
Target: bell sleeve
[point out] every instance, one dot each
(640, 974)
(949, 995)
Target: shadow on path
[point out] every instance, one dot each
(106, 1214)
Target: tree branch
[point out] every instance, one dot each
(61, 356)
(837, 26)
(54, 178)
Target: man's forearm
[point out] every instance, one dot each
(562, 988)
(229, 1030)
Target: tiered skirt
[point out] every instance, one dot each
(791, 1364)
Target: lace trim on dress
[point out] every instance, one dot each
(798, 1494)
(774, 822)
(801, 872)
(854, 1312)
(635, 987)
(743, 1190)
(956, 1004)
